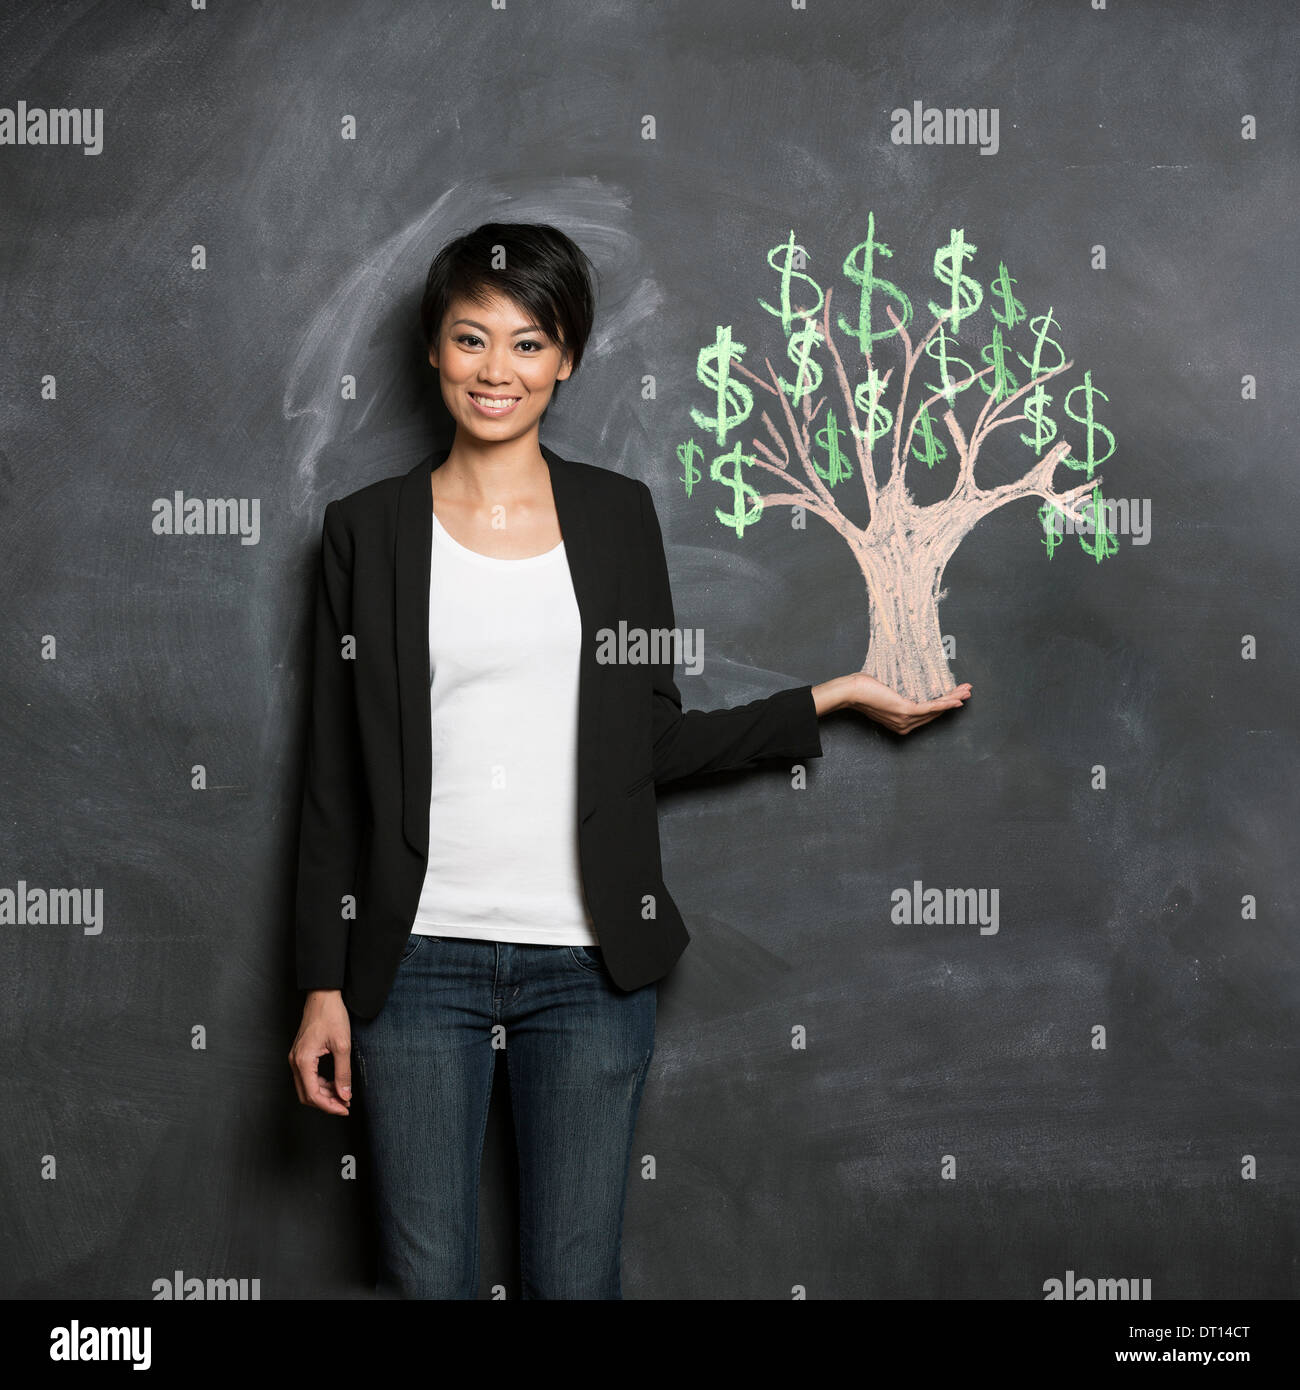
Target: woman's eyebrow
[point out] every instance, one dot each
(532, 327)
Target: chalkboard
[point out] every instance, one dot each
(211, 289)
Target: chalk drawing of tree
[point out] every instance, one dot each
(798, 440)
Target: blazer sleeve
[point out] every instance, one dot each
(687, 742)
(333, 807)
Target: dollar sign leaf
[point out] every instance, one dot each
(1052, 518)
(745, 505)
(837, 466)
(869, 283)
(938, 348)
(1105, 542)
(866, 396)
(927, 447)
(734, 399)
(1092, 429)
(1044, 425)
(687, 453)
(1012, 311)
(788, 260)
(809, 377)
(966, 292)
(995, 355)
(1042, 339)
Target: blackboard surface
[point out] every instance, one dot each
(950, 1126)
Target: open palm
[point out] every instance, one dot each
(877, 701)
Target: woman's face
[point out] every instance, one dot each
(497, 369)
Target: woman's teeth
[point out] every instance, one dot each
(496, 406)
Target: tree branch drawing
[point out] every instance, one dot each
(796, 450)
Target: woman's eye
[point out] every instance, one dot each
(473, 340)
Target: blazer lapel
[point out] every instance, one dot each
(413, 554)
(414, 551)
(593, 583)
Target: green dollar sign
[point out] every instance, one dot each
(1044, 425)
(744, 511)
(927, 447)
(1047, 514)
(866, 396)
(865, 277)
(687, 453)
(967, 294)
(1042, 339)
(734, 399)
(789, 260)
(1106, 542)
(1091, 427)
(995, 354)
(1013, 311)
(838, 466)
(937, 348)
(797, 348)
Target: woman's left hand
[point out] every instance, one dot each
(877, 701)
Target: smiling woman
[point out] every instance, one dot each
(485, 355)
(479, 858)
(540, 284)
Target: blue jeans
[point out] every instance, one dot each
(577, 1049)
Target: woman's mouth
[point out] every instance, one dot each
(494, 405)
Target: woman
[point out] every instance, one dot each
(479, 863)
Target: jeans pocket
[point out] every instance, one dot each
(413, 944)
(589, 958)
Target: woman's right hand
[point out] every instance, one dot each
(325, 1028)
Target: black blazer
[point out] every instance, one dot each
(364, 841)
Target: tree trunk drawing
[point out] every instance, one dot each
(906, 647)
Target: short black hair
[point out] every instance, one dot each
(544, 272)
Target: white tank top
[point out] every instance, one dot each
(504, 643)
